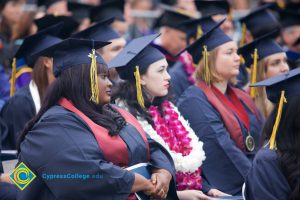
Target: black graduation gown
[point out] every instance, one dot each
(62, 143)
(226, 166)
(7, 191)
(265, 180)
(179, 80)
(16, 112)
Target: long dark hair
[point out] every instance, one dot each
(73, 84)
(126, 91)
(288, 142)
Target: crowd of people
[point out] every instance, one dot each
(206, 92)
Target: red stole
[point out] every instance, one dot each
(113, 147)
(230, 121)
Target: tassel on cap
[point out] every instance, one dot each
(13, 77)
(139, 94)
(94, 78)
(199, 32)
(253, 90)
(243, 36)
(280, 4)
(275, 127)
(206, 67)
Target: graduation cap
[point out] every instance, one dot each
(213, 7)
(79, 10)
(279, 90)
(196, 27)
(173, 18)
(101, 31)
(265, 46)
(70, 24)
(108, 8)
(71, 52)
(256, 51)
(289, 18)
(260, 22)
(293, 6)
(135, 58)
(37, 42)
(47, 3)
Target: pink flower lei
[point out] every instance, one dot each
(170, 128)
(189, 68)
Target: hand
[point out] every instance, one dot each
(216, 193)
(192, 195)
(5, 178)
(161, 179)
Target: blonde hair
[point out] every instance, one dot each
(199, 72)
(261, 101)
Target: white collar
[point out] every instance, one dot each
(35, 96)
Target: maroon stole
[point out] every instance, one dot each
(113, 147)
(230, 121)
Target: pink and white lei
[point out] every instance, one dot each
(174, 133)
(188, 66)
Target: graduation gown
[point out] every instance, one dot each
(16, 112)
(226, 166)
(179, 79)
(62, 143)
(265, 180)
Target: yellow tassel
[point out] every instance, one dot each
(13, 77)
(230, 14)
(206, 67)
(280, 4)
(139, 94)
(253, 90)
(199, 32)
(94, 78)
(275, 127)
(242, 59)
(243, 37)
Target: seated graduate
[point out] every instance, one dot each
(275, 174)
(78, 131)
(224, 118)
(144, 94)
(267, 59)
(24, 105)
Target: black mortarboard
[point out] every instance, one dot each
(47, 3)
(173, 18)
(101, 31)
(211, 39)
(261, 21)
(107, 9)
(37, 42)
(289, 82)
(138, 52)
(293, 6)
(79, 10)
(288, 18)
(202, 25)
(72, 52)
(265, 46)
(212, 7)
(70, 24)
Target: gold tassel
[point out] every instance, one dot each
(243, 37)
(242, 59)
(275, 127)
(280, 4)
(13, 77)
(206, 67)
(94, 78)
(139, 94)
(199, 32)
(253, 90)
